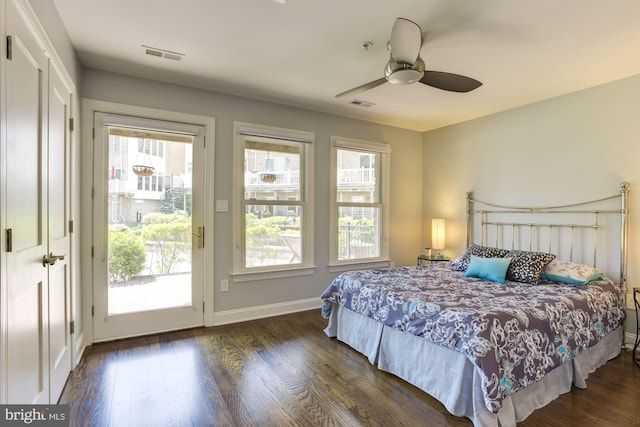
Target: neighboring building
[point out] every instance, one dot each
(168, 189)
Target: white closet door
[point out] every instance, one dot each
(58, 233)
(38, 345)
(26, 216)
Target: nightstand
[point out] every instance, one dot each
(424, 259)
(636, 302)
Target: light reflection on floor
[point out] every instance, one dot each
(141, 379)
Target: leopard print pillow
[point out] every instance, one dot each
(525, 266)
(462, 263)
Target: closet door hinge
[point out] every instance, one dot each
(71, 124)
(93, 192)
(9, 49)
(72, 327)
(93, 310)
(9, 241)
(70, 226)
(200, 235)
(93, 133)
(203, 306)
(91, 251)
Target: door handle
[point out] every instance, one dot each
(51, 259)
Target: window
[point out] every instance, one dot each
(359, 208)
(273, 195)
(150, 183)
(152, 147)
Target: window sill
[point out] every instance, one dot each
(273, 274)
(360, 265)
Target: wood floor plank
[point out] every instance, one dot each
(284, 371)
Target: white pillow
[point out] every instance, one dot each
(570, 272)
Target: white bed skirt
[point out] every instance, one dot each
(451, 378)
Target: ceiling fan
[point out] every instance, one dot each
(406, 67)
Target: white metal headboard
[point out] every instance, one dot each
(554, 228)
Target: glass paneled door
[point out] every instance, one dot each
(150, 266)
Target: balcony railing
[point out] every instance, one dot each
(357, 177)
(357, 241)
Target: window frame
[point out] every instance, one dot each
(241, 132)
(383, 174)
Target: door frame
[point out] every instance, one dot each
(91, 106)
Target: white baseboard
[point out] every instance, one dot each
(79, 348)
(262, 311)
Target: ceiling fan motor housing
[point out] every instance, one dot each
(400, 73)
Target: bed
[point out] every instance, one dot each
(494, 347)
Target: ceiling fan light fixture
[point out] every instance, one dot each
(399, 73)
(405, 77)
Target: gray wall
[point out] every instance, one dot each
(406, 175)
(57, 33)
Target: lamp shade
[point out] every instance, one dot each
(437, 234)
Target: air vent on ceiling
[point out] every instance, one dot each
(361, 103)
(161, 53)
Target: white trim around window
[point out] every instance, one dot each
(273, 194)
(366, 243)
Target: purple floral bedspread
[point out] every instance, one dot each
(514, 333)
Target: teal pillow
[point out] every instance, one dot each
(493, 269)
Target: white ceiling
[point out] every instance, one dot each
(304, 52)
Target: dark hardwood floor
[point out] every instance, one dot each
(285, 371)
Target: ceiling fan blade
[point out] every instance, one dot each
(449, 81)
(406, 41)
(362, 88)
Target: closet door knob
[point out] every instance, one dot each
(51, 259)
